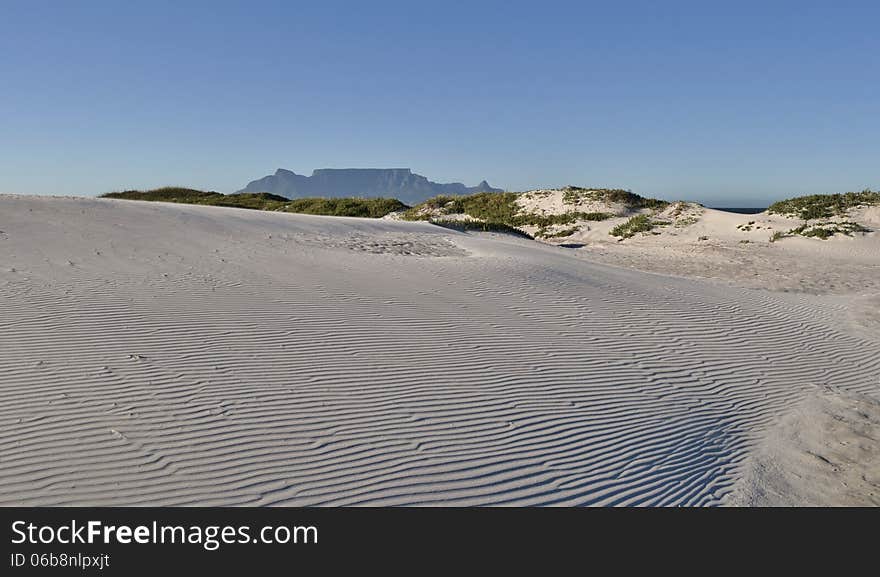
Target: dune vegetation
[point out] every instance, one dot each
(360, 207)
(576, 194)
(497, 211)
(470, 224)
(818, 206)
(496, 207)
(822, 230)
(500, 209)
(635, 225)
(252, 200)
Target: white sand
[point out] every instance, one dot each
(179, 355)
(825, 452)
(733, 248)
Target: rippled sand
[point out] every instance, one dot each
(183, 355)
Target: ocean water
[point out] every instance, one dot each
(740, 210)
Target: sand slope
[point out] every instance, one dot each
(690, 240)
(824, 452)
(725, 246)
(181, 355)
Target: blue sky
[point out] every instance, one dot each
(728, 103)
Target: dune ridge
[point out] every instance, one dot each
(157, 354)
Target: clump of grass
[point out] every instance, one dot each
(543, 232)
(445, 204)
(819, 206)
(499, 207)
(565, 232)
(678, 208)
(825, 230)
(165, 194)
(821, 230)
(548, 220)
(594, 216)
(252, 200)
(360, 207)
(637, 224)
(576, 194)
(469, 224)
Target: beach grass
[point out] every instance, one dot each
(635, 225)
(819, 206)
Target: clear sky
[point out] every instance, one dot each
(728, 103)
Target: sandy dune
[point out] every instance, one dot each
(824, 452)
(184, 355)
(736, 249)
(690, 240)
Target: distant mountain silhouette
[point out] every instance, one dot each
(400, 183)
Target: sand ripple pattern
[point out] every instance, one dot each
(167, 355)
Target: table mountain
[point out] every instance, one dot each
(400, 183)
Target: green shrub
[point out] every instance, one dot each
(561, 233)
(165, 194)
(490, 206)
(497, 207)
(825, 230)
(575, 194)
(360, 207)
(444, 203)
(547, 220)
(638, 223)
(253, 200)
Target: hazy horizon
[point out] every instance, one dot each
(736, 105)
